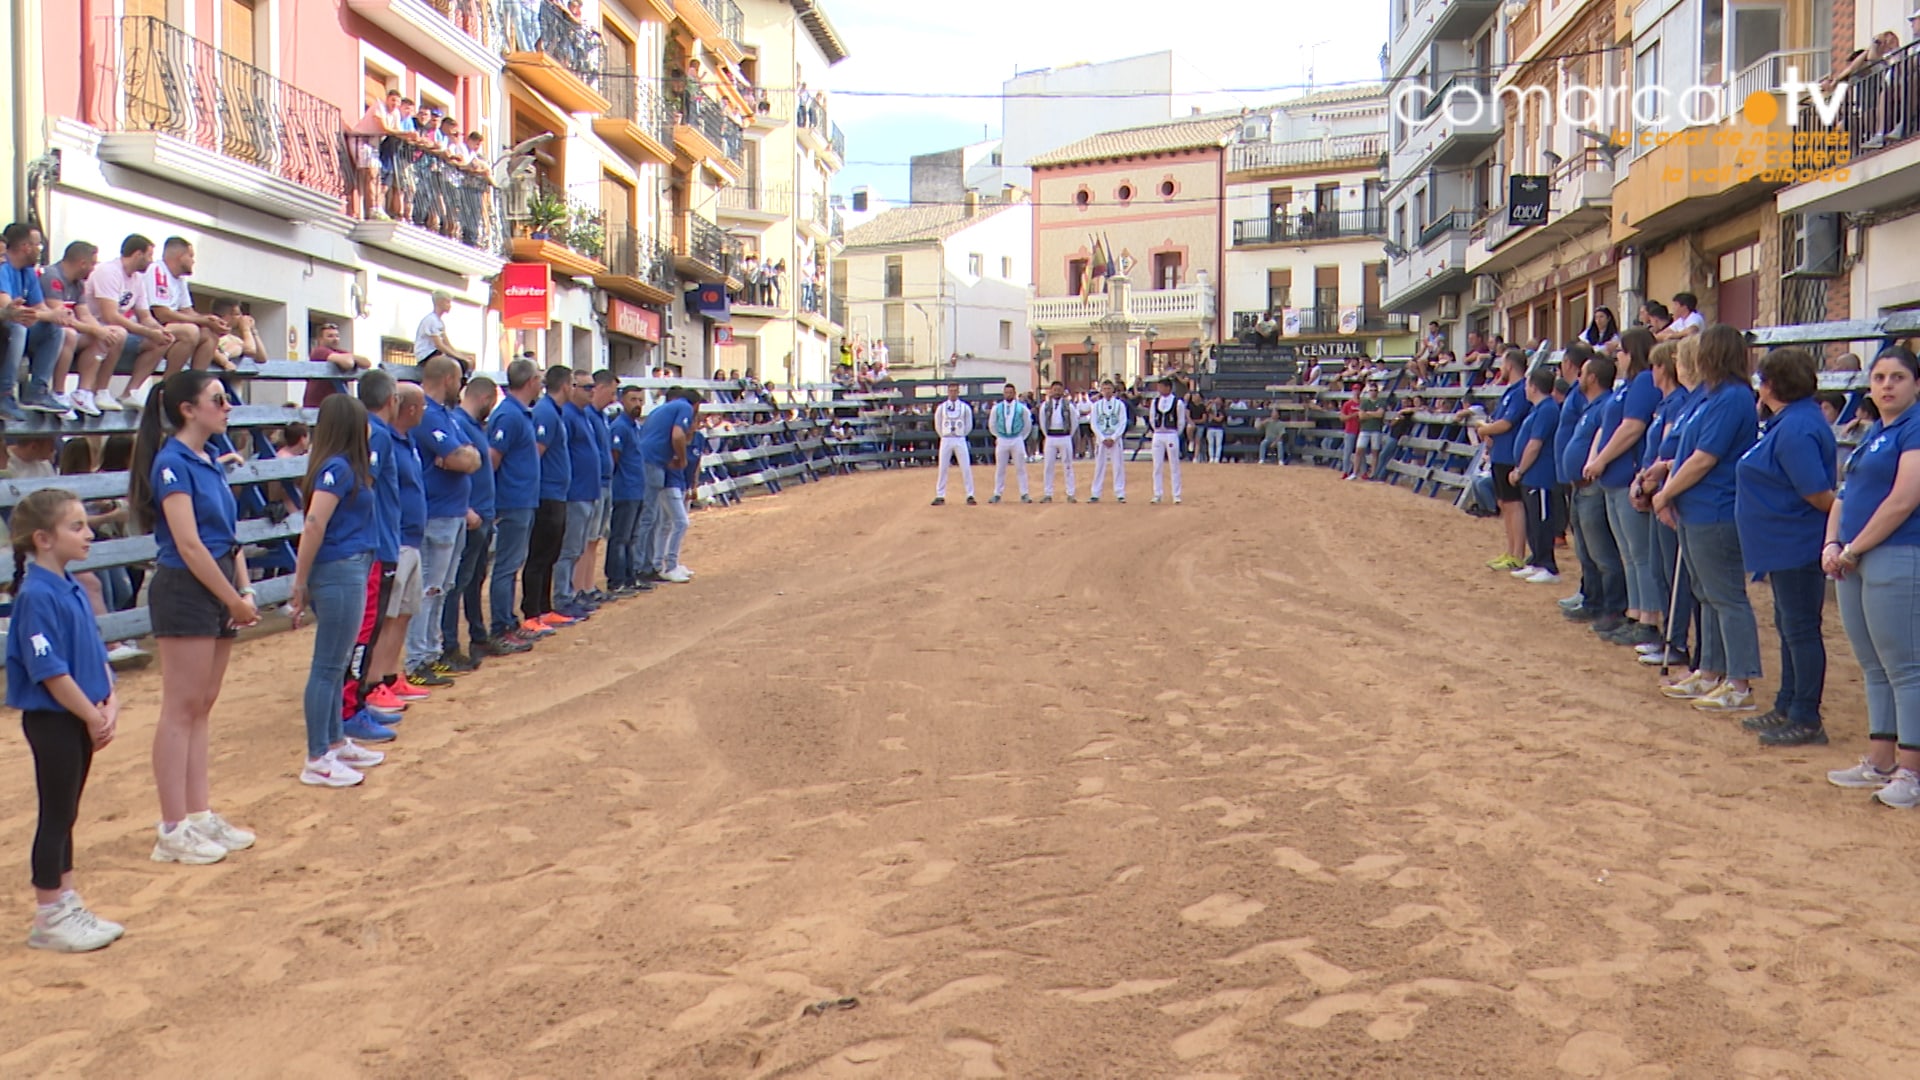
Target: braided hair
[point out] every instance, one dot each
(40, 510)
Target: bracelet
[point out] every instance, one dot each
(1833, 544)
(247, 592)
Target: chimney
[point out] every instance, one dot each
(860, 200)
(973, 202)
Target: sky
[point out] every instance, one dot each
(1260, 47)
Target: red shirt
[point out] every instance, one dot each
(1350, 415)
(319, 390)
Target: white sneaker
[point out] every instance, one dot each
(83, 402)
(1525, 572)
(1690, 687)
(1176, 500)
(184, 845)
(1903, 791)
(327, 771)
(134, 397)
(683, 570)
(68, 926)
(106, 401)
(355, 756)
(62, 400)
(221, 831)
(1724, 698)
(677, 576)
(1657, 658)
(1649, 648)
(1543, 577)
(1864, 775)
(123, 652)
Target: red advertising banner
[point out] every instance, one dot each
(633, 320)
(524, 296)
(723, 335)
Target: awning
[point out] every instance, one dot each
(710, 302)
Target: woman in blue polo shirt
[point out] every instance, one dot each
(1674, 376)
(1785, 489)
(198, 599)
(330, 580)
(1698, 499)
(1873, 549)
(1615, 460)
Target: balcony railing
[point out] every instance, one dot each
(1770, 72)
(439, 195)
(537, 206)
(837, 227)
(546, 27)
(732, 22)
(1879, 111)
(818, 212)
(811, 116)
(899, 350)
(703, 114)
(838, 142)
(707, 244)
(1461, 220)
(634, 254)
(1471, 89)
(1286, 228)
(837, 310)
(640, 100)
(1327, 321)
(174, 84)
(756, 200)
(474, 18)
(1282, 155)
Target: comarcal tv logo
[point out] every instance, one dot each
(1653, 116)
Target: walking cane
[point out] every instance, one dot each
(1673, 601)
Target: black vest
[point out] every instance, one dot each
(1169, 420)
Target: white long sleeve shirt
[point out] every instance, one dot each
(953, 419)
(1109, 418)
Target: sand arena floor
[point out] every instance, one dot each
(1279, 783)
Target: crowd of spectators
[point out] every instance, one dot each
(412, 164)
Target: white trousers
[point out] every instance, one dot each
(1008, 452)
(1109, 457)
(1166, 454)
(1058, 448)
(953, 449)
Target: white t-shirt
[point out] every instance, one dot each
(430, 327)
(166, 288)
(110, 280)
(1693, 322)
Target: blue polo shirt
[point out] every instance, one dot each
(52, 633)
(516, 481)
(629, 482)
(1793, 459)
(556, 465)
(22, 283)
(178, 470)
(1870, 472)
(682, 480)
(1571, 410)
(480, 495)
(350, 531)
(583, 452)
(438, 435)
(383, 457)
(1513, 408)
(656, 433)
(1724, 425)
(603, 435)
(413, 494)
(1677, 409)
(1573, 457)
(1542, 421)
(1636, 402)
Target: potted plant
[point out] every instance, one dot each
(589, 239)
(546, 214)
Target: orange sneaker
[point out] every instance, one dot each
(534, 628)
(553, 620)
(406, 691)
(384, 699)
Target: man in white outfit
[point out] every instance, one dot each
(1109, 423)
(1059, 420)
(953, 422)
(1011, 422)
(1167, 418)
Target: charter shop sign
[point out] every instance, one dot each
(525, 294)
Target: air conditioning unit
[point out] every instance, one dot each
(1485, 290)
(1256, 129)
(1816, 247)
(1449, 306)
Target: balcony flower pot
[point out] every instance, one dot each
(546, 215)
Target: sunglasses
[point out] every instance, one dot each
(219, 400)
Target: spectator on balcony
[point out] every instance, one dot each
(34, 327)
(1602, 334)
(369, 150)
(196, 336)
(1687, 320)
(327, 350)
(775, 284)
(430, 338)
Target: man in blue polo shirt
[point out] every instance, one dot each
(1501, 432)
(30, 327)
(409, 407)
(448, 461)
(583, 493)
(629, 496)
(605, 384)
(1573, 405)
(663, 443)
(1603, 584)
(364, 703)
(513, 450)
(476, 402)
(550, 517)
(1534, 473)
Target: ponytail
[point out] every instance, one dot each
(161, 416)
(19, 568)
(40, 510)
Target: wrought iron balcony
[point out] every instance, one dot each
(555, 54)
(1453, 221)
(1306, 226)
(219, 112)
(638, 122)
(711, 122)
(712, 253)
(549, 226)
(638, 266)
(746, 199)
(837, 228)
(837, 142)
(459, 35)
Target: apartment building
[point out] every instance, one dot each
(1307, 216)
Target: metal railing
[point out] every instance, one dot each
(819, 209)
(1283, 227)
(708, 244)
(838, 143)
(1279, 155)
(837, 310)
(632, 253)
(639, 99)
(1467, 85)
(837, 226)
(474, 18)
(440, 195)
(1878, 111)
(703, 114)
(899, 351)
(1455, 220)
(536, 206)
(1770, 72)
(1326, 320)
(756, 199)
(732, 22)
(174, 84)
(548, 28)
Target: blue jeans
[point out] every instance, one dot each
(337, 591)
(623, 561)
(573, 544)
(1880, 605)
(1729, 636)
(1631, 536)
(1799, 595)
(1679, 612)
(673, 528)
(467, 579)
(40, 345)
(1604, 572)
(440, 547)
(1388, 447)
(511, 531)
(656, 478)
(1346, 451)
(1215, 437)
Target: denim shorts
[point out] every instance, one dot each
(180, 606)
(600, 523)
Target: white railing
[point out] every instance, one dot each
(1189, 302)
(1770, 71)
(1068, 309)
(1273, 155)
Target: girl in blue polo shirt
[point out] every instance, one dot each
(1674, 377)
(330, 580)
(1785, 489)
(1698, 499)
(59, 679)
(198, 599)
(1873, 549)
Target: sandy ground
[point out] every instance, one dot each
(1280, 783)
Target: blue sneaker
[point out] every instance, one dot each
(365, 728)
(576, 612)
